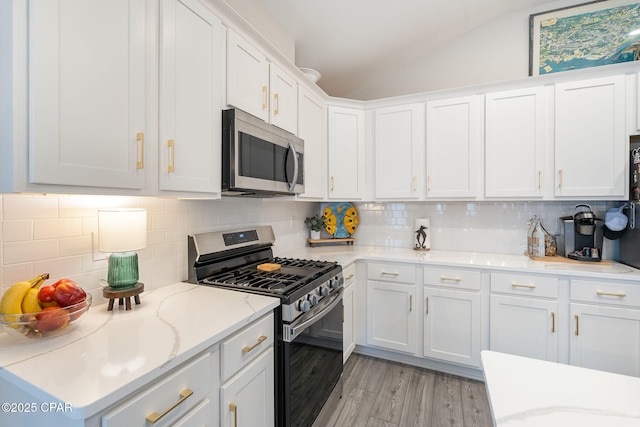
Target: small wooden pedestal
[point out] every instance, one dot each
(123, 295)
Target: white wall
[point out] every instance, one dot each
(52, 234)
(494, 52)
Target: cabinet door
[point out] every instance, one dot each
(454, 139)
(590, 138)
(247, 77)
(391, 316)
(284, 99)
(605, 338)
(87, 93)
(346, 153)
(347, 331)
(516, 124)
(524, 327)
(452, 325)
(312, 129)
(399, 151)
(247, 399)
(190, 97)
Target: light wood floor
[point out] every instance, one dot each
(381, 393)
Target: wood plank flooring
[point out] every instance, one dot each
(380, 393)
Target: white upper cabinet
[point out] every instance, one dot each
(312, 125)
(87, 98)
(261, 89)
(247, 77)
(454, 141)
(346, 153)
(399, 151)
(190, 97)
(590, 139)
(516, 134)
(283, 110)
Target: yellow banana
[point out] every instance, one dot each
(30, 302)
(11, 301)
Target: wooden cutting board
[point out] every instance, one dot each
(268, 267)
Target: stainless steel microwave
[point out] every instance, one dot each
(259, 159)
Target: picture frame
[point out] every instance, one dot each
(587, 35)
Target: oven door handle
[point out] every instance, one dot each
(292, 331)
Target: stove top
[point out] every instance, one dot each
(292, 274)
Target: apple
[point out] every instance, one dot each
(45, 296)
(67, 293)
(52, 318)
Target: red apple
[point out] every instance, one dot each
(67, 293)
(52, 318)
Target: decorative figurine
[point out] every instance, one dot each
(423, 242)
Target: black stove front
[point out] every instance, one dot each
(308, 323)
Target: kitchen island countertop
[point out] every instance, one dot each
(527, 392)
(348, 254)
(111, 354)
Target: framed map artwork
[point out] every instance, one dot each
(583, 36)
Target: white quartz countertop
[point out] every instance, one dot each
(347, 254)
(526, 392)
(111, 354)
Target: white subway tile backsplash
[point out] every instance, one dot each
(16, 230)
(30, 207)
(70, 246)
(57, 227)
(30, 250)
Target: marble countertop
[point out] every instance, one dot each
(108, 355)
(347, 254)
(526, 392)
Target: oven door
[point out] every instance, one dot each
(312, 362)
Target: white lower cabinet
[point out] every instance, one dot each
(605, 333)
(247, 399)
(391, 310)
(348, 305)
(452, 315)
(524, 315)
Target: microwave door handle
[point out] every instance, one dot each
(632, 215)
(292, 184)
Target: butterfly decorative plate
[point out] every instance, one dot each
(341, 219)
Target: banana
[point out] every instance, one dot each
(30, 302)
(11, 301)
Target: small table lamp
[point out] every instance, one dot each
(121, 232)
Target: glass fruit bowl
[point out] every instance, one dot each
(50, 322)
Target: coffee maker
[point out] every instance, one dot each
(582, 235)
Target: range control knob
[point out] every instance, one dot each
(325, 291)
(313, 300)
(304, 305)
(334, 283)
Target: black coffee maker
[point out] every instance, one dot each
(582, 235)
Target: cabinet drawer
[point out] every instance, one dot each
(245, 346)
(605, 293)
(349, 275)
(194, 376)
(452, 278)
(391, 273)
(517, 284)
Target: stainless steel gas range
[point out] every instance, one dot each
(308, 362)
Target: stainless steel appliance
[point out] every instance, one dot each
(582, 235)
(629, 246)
(308, 362)
(259, 159)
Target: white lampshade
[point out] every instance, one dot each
(122, 230)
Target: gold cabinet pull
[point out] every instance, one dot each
(349, 277)
(234, 408)
(426, 305)
(276, 101)
(619, 294)
(154, 416)
(247, 349)
(553, 322)
(577, 325)
(332, 182)
(539, 180)
(410, 303)
(264, 97)
(389, 273)
(518, 285)
(559, 178)
(172, 147)
(450, 279)
(140, 140)
(429, 183)
(415, 183)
